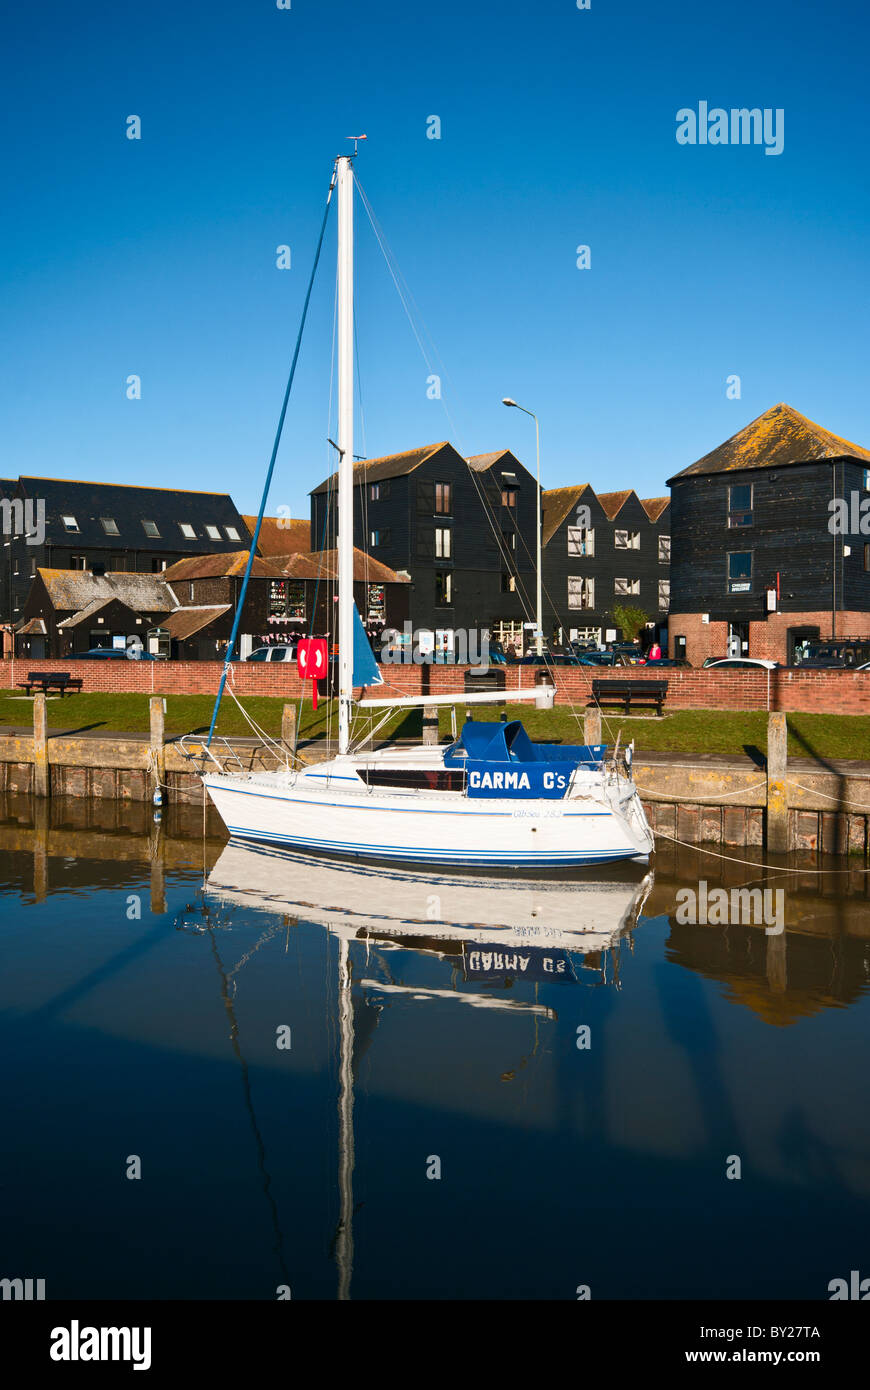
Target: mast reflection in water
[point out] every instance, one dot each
(349, 1082)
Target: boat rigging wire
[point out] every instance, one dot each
(228, 656)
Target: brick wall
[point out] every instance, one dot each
(831, 692)
(768, 639)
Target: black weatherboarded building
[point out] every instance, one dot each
(757, 567)
(602, 550)
(106, 528)
(462, 529)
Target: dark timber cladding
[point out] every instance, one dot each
(109, 528)
(462, 529)
(752, 516)
(616, 554)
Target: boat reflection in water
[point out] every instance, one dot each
(503, 929)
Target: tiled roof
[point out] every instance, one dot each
(185, 622)
(71, 591)
(34, 627)
(779, 437)
(557, 503)
(481, 463)
(390, 466)
(323, 564)
(233, 562)
(613, 502)
(280, 535)
(128, 507)
(654, 506)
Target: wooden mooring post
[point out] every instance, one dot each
(777, 786)
(592, 725)
(41, 770)
(289, 729)
(430, 725)
(158, 744)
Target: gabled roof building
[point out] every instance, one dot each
(771, 542)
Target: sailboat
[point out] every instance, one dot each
(491, 799)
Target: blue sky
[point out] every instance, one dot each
(157, 257)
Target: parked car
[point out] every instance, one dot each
(678, 661)
(851, 654)
(604, 659)
(746, 663)
(286, 652)
(115, 654)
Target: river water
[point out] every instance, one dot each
(232, 1074)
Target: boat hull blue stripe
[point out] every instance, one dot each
(432, 855)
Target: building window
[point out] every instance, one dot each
(232, 533)
(508, 583)
(443, 587)
(381, 537)
(624, 587)
(664, 550)
(157, 566)
(740, 505)
(509, 497)
(866, 557)
(120, 564)
(277, 598)
(187, 531)
(740, 572)
(190, 593)
(109, 525)
(581, 540)
(150, 529)
(626, 540)
(867, 479)
(443, 499)
(581, 593)
(70, 523)
(78, 562)
(378, 492)
(664, 595)
(213, 533)
(33, 568)
(442, 543)
(377, 602)
(510, 540)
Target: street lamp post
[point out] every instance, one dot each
(539, 621)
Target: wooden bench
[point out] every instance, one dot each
(51, 680)
(625, 691)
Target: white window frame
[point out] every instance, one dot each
(665, 542)
(581, 591)
(213, 532)
(626, 588)
(626, 540)
(69, 523)
(187, 531)
(581, 541)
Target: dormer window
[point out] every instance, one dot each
(109, 525)
(69, 523)
(187, 531)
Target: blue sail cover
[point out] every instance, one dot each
(501, 760)
(365, 668)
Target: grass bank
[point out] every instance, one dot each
(683, 731)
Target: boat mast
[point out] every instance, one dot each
(345, 448)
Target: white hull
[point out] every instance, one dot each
(328, 809)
